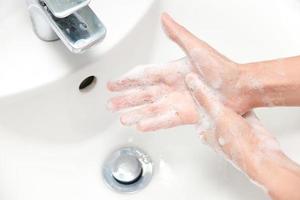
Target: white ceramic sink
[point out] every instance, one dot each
(54, 138)
(34, 62)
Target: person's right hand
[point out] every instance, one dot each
(246, 143)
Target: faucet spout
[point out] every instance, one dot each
(72, 21)
(64, 8)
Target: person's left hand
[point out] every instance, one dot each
(160, 93)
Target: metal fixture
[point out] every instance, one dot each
(128, 169)
(72, 21)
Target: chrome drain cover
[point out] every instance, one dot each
(128, 169)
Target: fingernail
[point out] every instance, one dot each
(108, 85)
(128, 120)
(124, 121)
(111, 86)
(141, 128)
(166, 15)
(110, 106)
(144, 127)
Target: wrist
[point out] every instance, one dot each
(250, 87)
(271, 83)
(278, 175)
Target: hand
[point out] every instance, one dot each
(160, 92)
(246, 143)
(220, 73)
(239, 138)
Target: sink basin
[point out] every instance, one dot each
(54, 137)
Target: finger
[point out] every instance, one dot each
(209, 137)
(179, 34)
(146, 75)
(204, 96)
(137, 97)
(167, 120)
(193, 46)
(149, 75)
(138, 76)
(133, 117)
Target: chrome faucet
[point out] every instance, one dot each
(72, 21)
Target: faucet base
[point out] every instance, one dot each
(78, 31)
(40, 25)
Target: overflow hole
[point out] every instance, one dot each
(88, 83)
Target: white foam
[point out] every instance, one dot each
(222, 141)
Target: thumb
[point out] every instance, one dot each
(184, 38)
(204, 95)
(177, 33)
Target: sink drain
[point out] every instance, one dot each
(128, 169)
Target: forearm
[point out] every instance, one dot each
(280, 177)
(273, 83)
(246, 143)
(256, 152)
(267, 166)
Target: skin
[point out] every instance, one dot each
(155, 90)
(207, 85)
(247, 144)
(278, 79)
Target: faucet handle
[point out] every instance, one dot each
(64, 8)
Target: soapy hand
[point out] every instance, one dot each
(246, 143)
(158, 93)
(209, 90)
(242, 139)
(215, 69)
